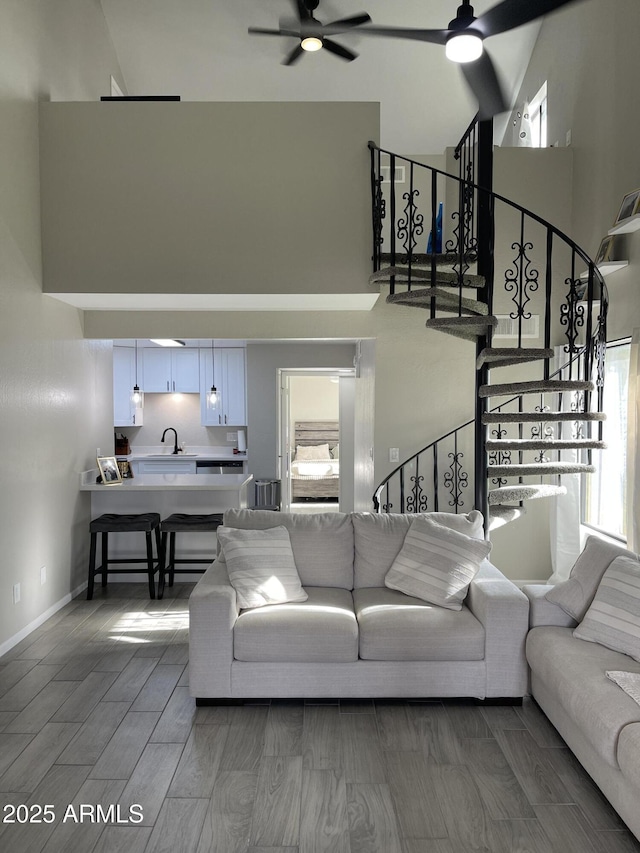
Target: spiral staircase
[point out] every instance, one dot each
(535, 422)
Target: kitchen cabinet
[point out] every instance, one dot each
(231, 409)
(125, 413)
(168, 370)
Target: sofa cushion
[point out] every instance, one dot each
(574, 672)
(260, 566)
(322, 543)
(322, 629)
(436, 564)
(576, 593)
(394, 626)
(629, 753)
(613, 619)
(380, 536)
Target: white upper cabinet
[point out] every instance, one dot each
(229, 365)
(124, 378)
(168, 370)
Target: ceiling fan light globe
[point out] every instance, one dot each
(464, 47)
(311, 43)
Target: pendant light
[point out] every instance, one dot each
(212, 399)
(137, 396)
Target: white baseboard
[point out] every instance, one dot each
(28, 629)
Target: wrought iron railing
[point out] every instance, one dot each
(520, 267)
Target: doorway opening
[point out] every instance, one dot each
(316, 439)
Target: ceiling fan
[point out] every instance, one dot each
(463, 40)
(311, 34)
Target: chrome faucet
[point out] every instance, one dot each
(175, 445)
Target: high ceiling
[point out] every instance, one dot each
(200, 49)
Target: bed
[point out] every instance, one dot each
(315, 466)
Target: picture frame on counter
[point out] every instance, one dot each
(109, 470)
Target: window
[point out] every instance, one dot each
(538, 118)
(605, 493)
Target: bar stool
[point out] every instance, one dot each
(181, 522)
(146, 522)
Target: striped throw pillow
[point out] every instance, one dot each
(613, 620)
(260, 565)
(436, 564)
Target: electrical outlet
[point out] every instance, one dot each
(394, 454)
(43, 574)
(232, 436)
(16, 593)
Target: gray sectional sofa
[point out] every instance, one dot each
(598, 720)
(354, 637)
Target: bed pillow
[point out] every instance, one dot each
(313, 452)
(613, 619)
(436, 564)
(335, 453)
(260, 565)
(576, 593)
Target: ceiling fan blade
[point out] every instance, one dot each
(434, 36)
(345, 24)
(339, 50)
(514, 13)
(483, 81)
(294, 56)
(261, 31)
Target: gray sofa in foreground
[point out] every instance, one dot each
(598, 720)
(354, 637)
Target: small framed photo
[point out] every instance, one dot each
(604, 251)
(109, 470)
(629, 207)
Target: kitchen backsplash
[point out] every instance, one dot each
(182, 412)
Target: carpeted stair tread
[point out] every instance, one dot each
(461, 322)
(504, 356)
(540, 417)
(464, 334)
(539, 469)
(543, 386)
(545, 444)
(500, 515)
(418, 274)
(522, 492)
(445, 300)
(424, 258)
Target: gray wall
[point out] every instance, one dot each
(206, 197)
(55, 398)
(263, 362)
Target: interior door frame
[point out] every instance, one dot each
(285, 441)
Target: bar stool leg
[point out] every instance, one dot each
(92, 565)
(161, 544)
(150, 566)
(172, 557)
(105, 558)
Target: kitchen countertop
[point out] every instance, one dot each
(173, 482)
(209, 454)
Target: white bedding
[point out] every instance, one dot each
(320, 470)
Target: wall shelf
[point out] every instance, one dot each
(631, 223)
(606, 268)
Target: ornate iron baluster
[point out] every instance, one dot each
(456, 479)
(499, 457)
(379, 215)
(572, 315)
(411, 225)
(522, 281)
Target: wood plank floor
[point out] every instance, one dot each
(95, 712)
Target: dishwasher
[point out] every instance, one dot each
(204, 466)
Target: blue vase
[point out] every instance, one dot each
(438, 241)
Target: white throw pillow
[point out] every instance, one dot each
(576, 593)
(260, 565)
(613, 620)
(436, 564)
(313, 452)
(335, 453)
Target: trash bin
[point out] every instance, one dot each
(267, 494)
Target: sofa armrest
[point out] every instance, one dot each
(503, 610)
(543, 612)
(213, 610)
